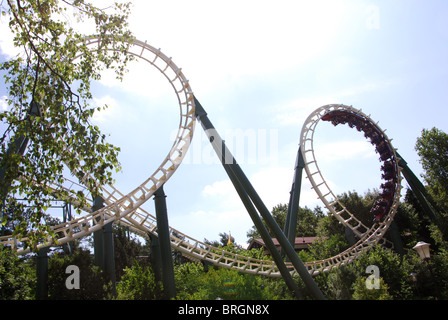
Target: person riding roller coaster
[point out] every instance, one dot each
(382, 147)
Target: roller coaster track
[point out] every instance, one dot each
(127, 209)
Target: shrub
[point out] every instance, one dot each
(393, 268)
(17, 279)
(194, 283)
(93, 284)
(362, 292)
(138, 283)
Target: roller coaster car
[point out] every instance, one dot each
(387, 194)
(354, 120)
(336, 117)
(376, 137)
(382, 205)
(384, 150)
(389, 171)
(380, 208)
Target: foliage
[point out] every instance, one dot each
(188, 279)
(138, 283)
(338, 283)
(329, 225)
(48, 103)
(323, 248)
(194, 283)
(17, 278)
(432, 147)
(361, 291)
(223, 240)
(432, 277)
(93, 284)
(394, 269)
(126, 250)
(307, 221)
(411, 223)
(359, 205)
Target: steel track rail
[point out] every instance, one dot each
(127, 209)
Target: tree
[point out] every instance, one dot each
(393, 268)
(139, 283)
(49, 103)
(364, 293)
(432, 147)
(359, 205)
(307, 221)
(194, 283)
(223, 240)
(17, 278)
(92, 286)
(126, 249)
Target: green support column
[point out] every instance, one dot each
(419, 191)
(163, 232)
(156, 258)
(42, 274)
(109, 254)
(98, 236)
(103, 245)
(254, 201)
(292, 285)
(396, 238)
(350, 236)
(294, 197)
(67, 216)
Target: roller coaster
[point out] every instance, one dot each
(126, 209)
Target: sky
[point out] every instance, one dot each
(259, 68)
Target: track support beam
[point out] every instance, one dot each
(294, 197)
(419, 190)
(164, 243)
(42, 274)
(103, 244)
(251, 200)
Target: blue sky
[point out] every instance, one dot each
(260, 68)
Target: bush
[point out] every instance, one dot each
(393, 268)
(194, 283)
(17, 278)
(188, 279)
(138, 283)
(338, 283)
(361, 292)
(93, 284)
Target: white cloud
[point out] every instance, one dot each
(107, 114)
(297, 111)
(274, 185)
(141, 79)
(218, 188)
(345, 150)
(223, 196)
(3, 104)
(208, 224)
(219, 40)
(6, 40)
